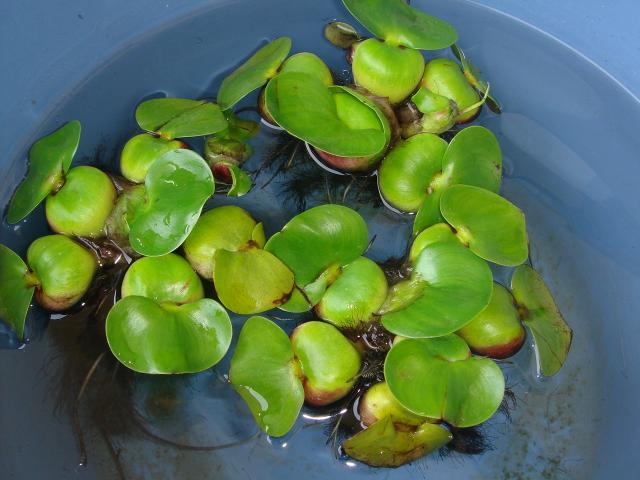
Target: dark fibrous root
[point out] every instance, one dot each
(509, 403)
(467, 441)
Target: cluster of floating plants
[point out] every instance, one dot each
(418, 347)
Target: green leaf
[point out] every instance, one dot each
(316, 239)
(168, 278)
(440, 232)
(551, 333)
(241, 181)
(251, 280)
(379, 403)
(309, 63)
(497, 331)
(492, 227)
(64, 268)
(357, 293)
(266, 375)
(253, 73)
(180, 117)
(141, 151)
(165, 338)
(474, 76)
(453, 286)
(305, 108)
(16, 290)
(438, 378)
(408, 170)
(443, 76)
(429, 212)
(329, 362)
(400, 24)
(178, 184)
(49, 160)
(384, 445)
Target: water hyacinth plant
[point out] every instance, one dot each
(412, 348)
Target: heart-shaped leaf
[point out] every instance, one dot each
(177, 184)
(497, 331)
(316, 239)
(329, 362)
(64, 268)
(474, 76)
(309, 63)
(266, 375)
(440, 232)
(406, 173)
(223, 228)
(165, 338)
(358, 292)
(251, 280)
(253, 73)
(449, 286)
(492, 227)
(551, 333)
(305, 108)
(165, 279)
(400, 24)
(180, 117)
(49, 160)
(16, 290)
(141, 151)
(384, 445)
(438, 378)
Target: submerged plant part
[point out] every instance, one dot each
(162, 324)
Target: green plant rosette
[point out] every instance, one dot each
(17, 287)
(444, 77)
(309, 63)
(321, 238)
(449, 286)
(473, 157)
(328, 360)
(356, 294)
(438, 113)
(551, 334)
(180, 117)
(64, 269)
(438, 378)
(497, 331)
(387, 70)
(83, 204)
(141, 151)
(306, 109)
(177, 186)
(491, 226)
(266, 374)
(400, 24)
(49, 160)
(379, 403)
(162, 324)
(253, 73)
(223, 228)
(385, 445)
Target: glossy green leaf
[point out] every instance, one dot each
(452, 286)
(540, 313)
(438, 378)
(16, 290)
(64, 268)
(306, 109)
(318, 238)
(497, 331)
(168, 278)
(83, 204)
(379, 403)
(357, 293)
(309, 63)
(241, 181)
(474, 77)
(49, 160)
(251, 280)
(440, 232)
(406, 173)
(178, 184)
(384, 445)
(180, 117)
(443, 76)
(266, 375)
(166, 338)
(141, 151)
(492, 227)
(400, 24)
(227, 228)
(329, 362)
(253, 73)
(429, 212)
